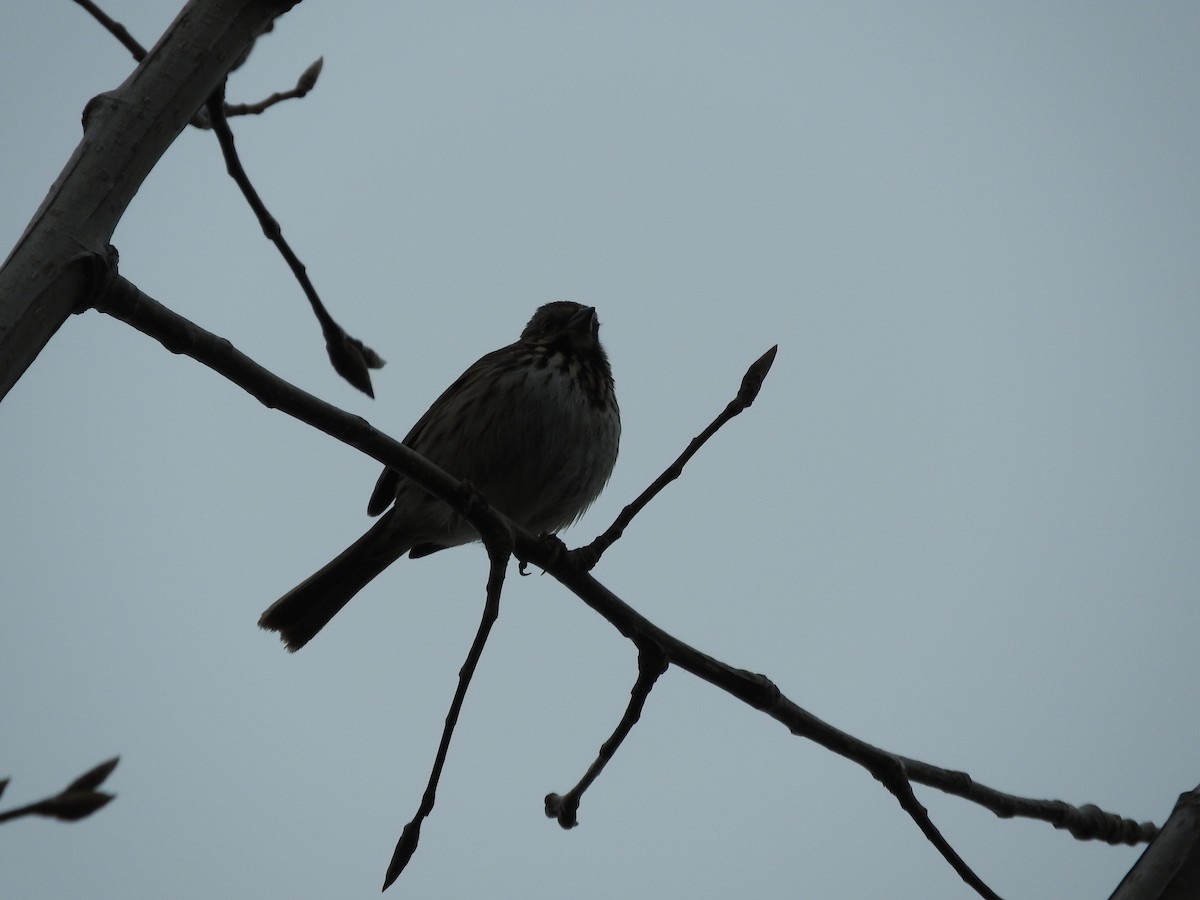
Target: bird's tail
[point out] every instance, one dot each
(304, 610)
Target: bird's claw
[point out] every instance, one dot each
(556, 548)
(581, 559)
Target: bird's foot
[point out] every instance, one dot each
(582, 559)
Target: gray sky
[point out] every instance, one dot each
(960, 522)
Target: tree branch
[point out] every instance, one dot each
(652, 662)
(125, 133)
(306, 82)
(351, 358)
(115, 28)
(499, 549)
(178, 335)
(587, 557)
(1170, 867)
(1084, 823)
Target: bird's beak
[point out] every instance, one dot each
(585, 321)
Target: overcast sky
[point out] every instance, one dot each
(961, 521)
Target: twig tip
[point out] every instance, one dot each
(752, 381)
(405, 847)
(93, 777)
(353, 360)
(308, 79)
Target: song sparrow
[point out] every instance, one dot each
(533, 426)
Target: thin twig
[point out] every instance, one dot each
(587, 557)
(499, 554)
(137, 51)
(306, 82)
(892, 776)
(350, 357)
(652, 662)
(116, 29)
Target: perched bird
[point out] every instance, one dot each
(534, 427)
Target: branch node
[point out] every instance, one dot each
(563, 809)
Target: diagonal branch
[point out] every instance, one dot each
(121, 299)
(891, 775)
(1084, 823)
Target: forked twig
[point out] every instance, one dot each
(351, 359)
(652, 660)
(76, 801)
(306, 82)
(891, 774)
